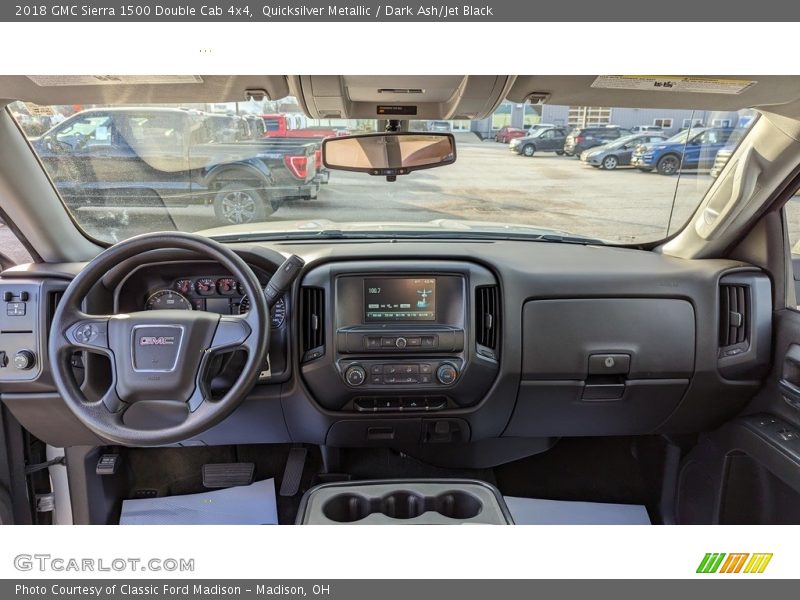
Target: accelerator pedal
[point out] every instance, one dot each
(226, 475)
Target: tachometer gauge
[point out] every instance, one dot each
(184, 286)
(205, 286)
(167, 300)
(226, 286)
(278, 311)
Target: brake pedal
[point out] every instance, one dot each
(225, 475)
(293, 473)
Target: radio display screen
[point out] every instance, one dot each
(400, 299)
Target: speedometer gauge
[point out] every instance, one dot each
(278, 314)
(167, 300)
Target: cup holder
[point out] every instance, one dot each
(347, 508)
(458, 505)
(403, 504)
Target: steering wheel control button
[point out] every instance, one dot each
(85, 333)
(355, 375)
(91, 334)
(609, 364)
(446, 374)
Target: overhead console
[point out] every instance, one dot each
(407, 97)
(399, 336)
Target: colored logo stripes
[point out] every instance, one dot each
(741, 562)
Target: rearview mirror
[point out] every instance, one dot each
(389, 154)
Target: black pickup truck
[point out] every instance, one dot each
(147, 156)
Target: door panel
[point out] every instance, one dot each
(748, 470)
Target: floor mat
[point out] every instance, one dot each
(532, 511)
(578, 469)
(252, 504)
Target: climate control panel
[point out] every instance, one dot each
(401, 374)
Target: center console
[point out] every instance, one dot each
(401, 336)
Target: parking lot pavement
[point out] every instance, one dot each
(487, 183)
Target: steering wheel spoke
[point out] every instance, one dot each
(233, 333)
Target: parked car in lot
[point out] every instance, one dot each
(619, 152)
(583, 138)
(441, 126)
(505, 134)
(175, 157)
(543, 139)
(694, 148)
(646, 128)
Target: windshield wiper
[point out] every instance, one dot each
(437, 234)
(572, 239)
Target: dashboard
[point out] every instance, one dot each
(471, 352)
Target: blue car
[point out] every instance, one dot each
(694, 148)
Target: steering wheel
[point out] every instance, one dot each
(160, 358)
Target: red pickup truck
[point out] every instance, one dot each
(280, 126)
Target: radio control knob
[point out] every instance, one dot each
(355, 375)
(446, 374)
(24, 360)
(401, 342)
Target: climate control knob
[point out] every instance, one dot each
(355, 375)
(24, 360)
(446, 374)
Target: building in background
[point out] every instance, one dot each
(511, 114)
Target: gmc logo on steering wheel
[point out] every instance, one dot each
(149, 340)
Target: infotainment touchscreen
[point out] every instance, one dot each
(400, 299)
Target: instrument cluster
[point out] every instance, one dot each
(222, 295)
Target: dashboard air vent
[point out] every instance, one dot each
(734, 315)
(312, 324)
(53, 298)
(487, 317)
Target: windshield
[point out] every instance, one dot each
(255, 168)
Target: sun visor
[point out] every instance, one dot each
(702, 92)
(140, 89)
